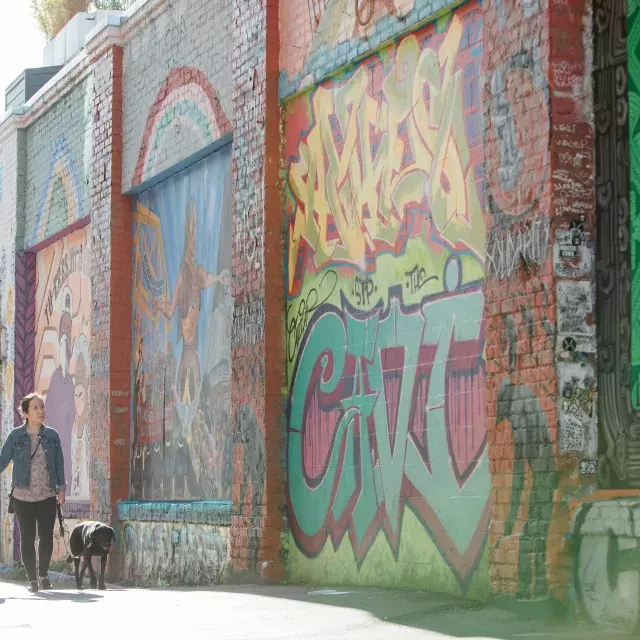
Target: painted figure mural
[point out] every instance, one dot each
(388, 476)
(182, 316)
(63, 313)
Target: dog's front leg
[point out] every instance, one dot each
(92, 573)
(76, 563)
(103, 564)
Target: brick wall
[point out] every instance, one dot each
(58, 155)
(319, 36)
(177, 84)
(257, 371)
(539, 304)
(111, 295)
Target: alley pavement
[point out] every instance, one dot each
(265, 613)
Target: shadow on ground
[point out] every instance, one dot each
(452, 617)
(68, 596)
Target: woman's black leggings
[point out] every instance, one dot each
(43, 514)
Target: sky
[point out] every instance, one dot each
(21, 44)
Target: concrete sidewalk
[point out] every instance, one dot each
(269, 613)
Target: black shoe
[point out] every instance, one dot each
(45, 584)
(33, 587)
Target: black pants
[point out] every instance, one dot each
(43, 514)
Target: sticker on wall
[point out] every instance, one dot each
(182, 321)
(576, 329)
(63, 328)
(573, 251)
(577, 416)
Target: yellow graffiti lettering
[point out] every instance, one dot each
(350, 195)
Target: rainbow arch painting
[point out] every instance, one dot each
(186, 96)
(62, 171)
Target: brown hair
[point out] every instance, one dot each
(26, 401)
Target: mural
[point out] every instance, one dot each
(388, 477)
(63, 313)
(606, 565)
(184, 554)
(186, 99)
(633, 64)
(62, 197)
(618, 421)
(319, 36)
(182, 319)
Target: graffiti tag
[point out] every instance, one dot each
(371, 424)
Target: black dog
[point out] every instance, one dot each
(90, 539)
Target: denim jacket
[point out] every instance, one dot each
(17, 447)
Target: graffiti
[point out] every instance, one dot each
(298, 314)
(514, 245)
(63, 316)
(248, 323)
(532, 444)
(510, 145)
(363, 290)
(186, 554)
(181, 338)
(386, 429)
(395, 163)
(415, 375)
(618, 421)
(247, 433)
(416, 279)
(329, 25)
(607, 564)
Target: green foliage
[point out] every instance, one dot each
(112, 5)
(53, 15)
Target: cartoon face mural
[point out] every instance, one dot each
(388, 478)
(63, 315)
(182, 317)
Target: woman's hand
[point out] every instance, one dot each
(61, 498)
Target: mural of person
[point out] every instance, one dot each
(184, 311)
(60, 406)
(192, 280)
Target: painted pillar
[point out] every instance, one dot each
(540, 285)
(257, 342)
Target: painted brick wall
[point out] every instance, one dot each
(319, 36)
(539, 301)
(385, 284)
(257, 341)
(58, 156)
(177, 83)
(11, 142)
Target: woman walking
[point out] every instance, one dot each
(37, 486)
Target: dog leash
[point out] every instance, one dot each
(61, 523)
